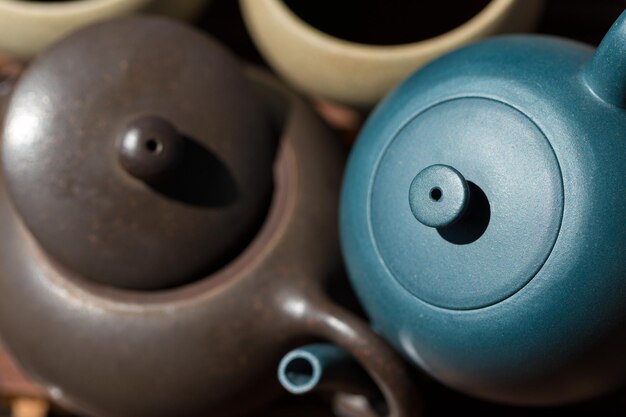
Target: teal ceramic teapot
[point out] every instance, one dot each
(483, 218)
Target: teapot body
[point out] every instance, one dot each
(533, 311)
(105, 351)
(190, 347)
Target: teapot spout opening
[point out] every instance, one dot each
(325, 367)
(605, 75)
(301, 370)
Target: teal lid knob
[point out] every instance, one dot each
(439, 196)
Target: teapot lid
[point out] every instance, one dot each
(466, 203)
(137, 154)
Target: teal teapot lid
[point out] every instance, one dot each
(495, 166)
(482, 218)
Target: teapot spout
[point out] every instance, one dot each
(605, 75)
(323, 367)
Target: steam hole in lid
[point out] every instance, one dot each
(436, 194)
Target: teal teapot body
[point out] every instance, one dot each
(483, 218)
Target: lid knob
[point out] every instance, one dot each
(439, 196)
(150, 147)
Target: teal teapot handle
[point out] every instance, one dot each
(605, 75)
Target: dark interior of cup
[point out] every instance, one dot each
(385, 22)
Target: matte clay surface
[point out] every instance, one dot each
(574, 18)
(210, 347)
(360, 74)
(12, 380)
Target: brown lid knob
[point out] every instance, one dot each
(138, 154)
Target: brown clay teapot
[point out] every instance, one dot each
(168, 228)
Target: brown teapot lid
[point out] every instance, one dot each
(138, 154)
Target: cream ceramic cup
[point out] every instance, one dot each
(27, 27)
(356, 74)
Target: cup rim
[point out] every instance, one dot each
(281, 211)
(358, 74)
(470, 29)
